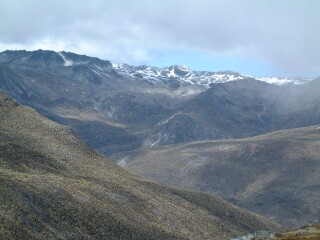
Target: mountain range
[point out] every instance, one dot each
(185, 74)
(247, 139)
(142, 107)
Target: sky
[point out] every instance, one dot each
(257, 37)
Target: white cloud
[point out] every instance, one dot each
(284, 33)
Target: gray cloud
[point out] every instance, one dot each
(284, 34)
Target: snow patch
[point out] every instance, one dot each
(154, 141)
(67, 63)
(122, 162)
(99, 68)
(172, 73)
(167, 120)
(116, 66)
(96, 72)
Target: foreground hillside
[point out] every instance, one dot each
(276, 175)
(54, 187)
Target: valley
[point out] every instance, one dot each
(54, 186)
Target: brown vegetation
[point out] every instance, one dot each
(304, 233)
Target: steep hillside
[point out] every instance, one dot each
(90, 96)
(53, 187)
(276, 175)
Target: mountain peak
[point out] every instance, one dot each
(183, 68)
(51, 58)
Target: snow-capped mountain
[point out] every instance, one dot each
(204, 78)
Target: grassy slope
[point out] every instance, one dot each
(276, 174)
(53, 186)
